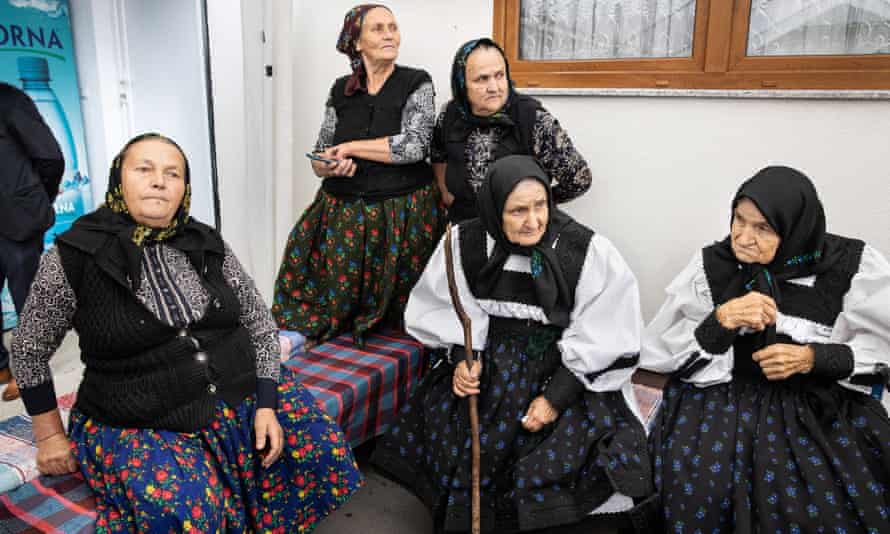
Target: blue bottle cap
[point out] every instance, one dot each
(33, 68)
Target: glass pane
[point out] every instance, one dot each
(606, 29)
(819, 27)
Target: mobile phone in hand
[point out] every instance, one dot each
(316, 157)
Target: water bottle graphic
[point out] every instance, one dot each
(74, 195)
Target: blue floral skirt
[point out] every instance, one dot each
(779, 457)
(212, 480)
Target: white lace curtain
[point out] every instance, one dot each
(613, 29)
(819, 27)
(606, 29)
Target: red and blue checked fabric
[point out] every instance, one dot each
(361, 389)
(49, 504)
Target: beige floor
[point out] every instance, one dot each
(66, 368)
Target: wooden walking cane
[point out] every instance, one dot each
(473, 400)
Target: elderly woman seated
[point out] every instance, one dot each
(775, 337)
(175, 426)
(556, 316)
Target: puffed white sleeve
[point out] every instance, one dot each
(601, 343)
(864, 322)
(669, 343)
(430, 317)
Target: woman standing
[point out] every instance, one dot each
(354, 255)
(487, 120)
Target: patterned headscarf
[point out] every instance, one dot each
(459, 84)
(115, 239)
(349, 35)
(114, 197)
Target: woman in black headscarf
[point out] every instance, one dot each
(185, 419)
(555, 315)
(487, 120)
(358, 249)
(775, 337)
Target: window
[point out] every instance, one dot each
(703, 44)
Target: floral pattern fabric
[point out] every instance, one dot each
(754, 456)
(528, 480)
(212, 480)
(349, 265)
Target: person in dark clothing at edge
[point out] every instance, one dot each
(31, 168)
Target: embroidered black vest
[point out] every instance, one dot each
(365, 116)
(821, 303)
(143, 373)
(516, 140)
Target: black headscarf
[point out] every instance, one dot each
(789, 202)
(551, 288)
(116, 240)
(459, 85)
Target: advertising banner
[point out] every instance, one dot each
(37, 55)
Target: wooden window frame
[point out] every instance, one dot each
(719, 60)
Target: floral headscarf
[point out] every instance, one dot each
(114, 196)
(349, 35)
(116, 241)
(459, 84)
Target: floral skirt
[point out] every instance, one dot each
(786, 457)
(350, 265)
(212, 480)
(528, 480)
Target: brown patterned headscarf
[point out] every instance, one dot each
(349, 35)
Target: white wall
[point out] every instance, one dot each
(141, 68)
(665, 169)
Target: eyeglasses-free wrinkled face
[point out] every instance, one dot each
(526, 212)
(753, 239)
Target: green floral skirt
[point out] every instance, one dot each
(349, 266)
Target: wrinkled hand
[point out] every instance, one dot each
(54, 455)
(780, 360)
(466, 379)
(540, 413)
(268, 432)
(754, 310)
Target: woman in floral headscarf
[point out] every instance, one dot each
(185, 418)
(487, 120)
(357, 251)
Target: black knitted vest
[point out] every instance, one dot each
(365, 116)
(821, 303)
(142, 373)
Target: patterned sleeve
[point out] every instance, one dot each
(43, 323)
(328, 126)
(418, 119)
(437, 147)
(556, 153)
(256, 317)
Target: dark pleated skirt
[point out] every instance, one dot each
(349, 266)
(779, 457)
(529, 480)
